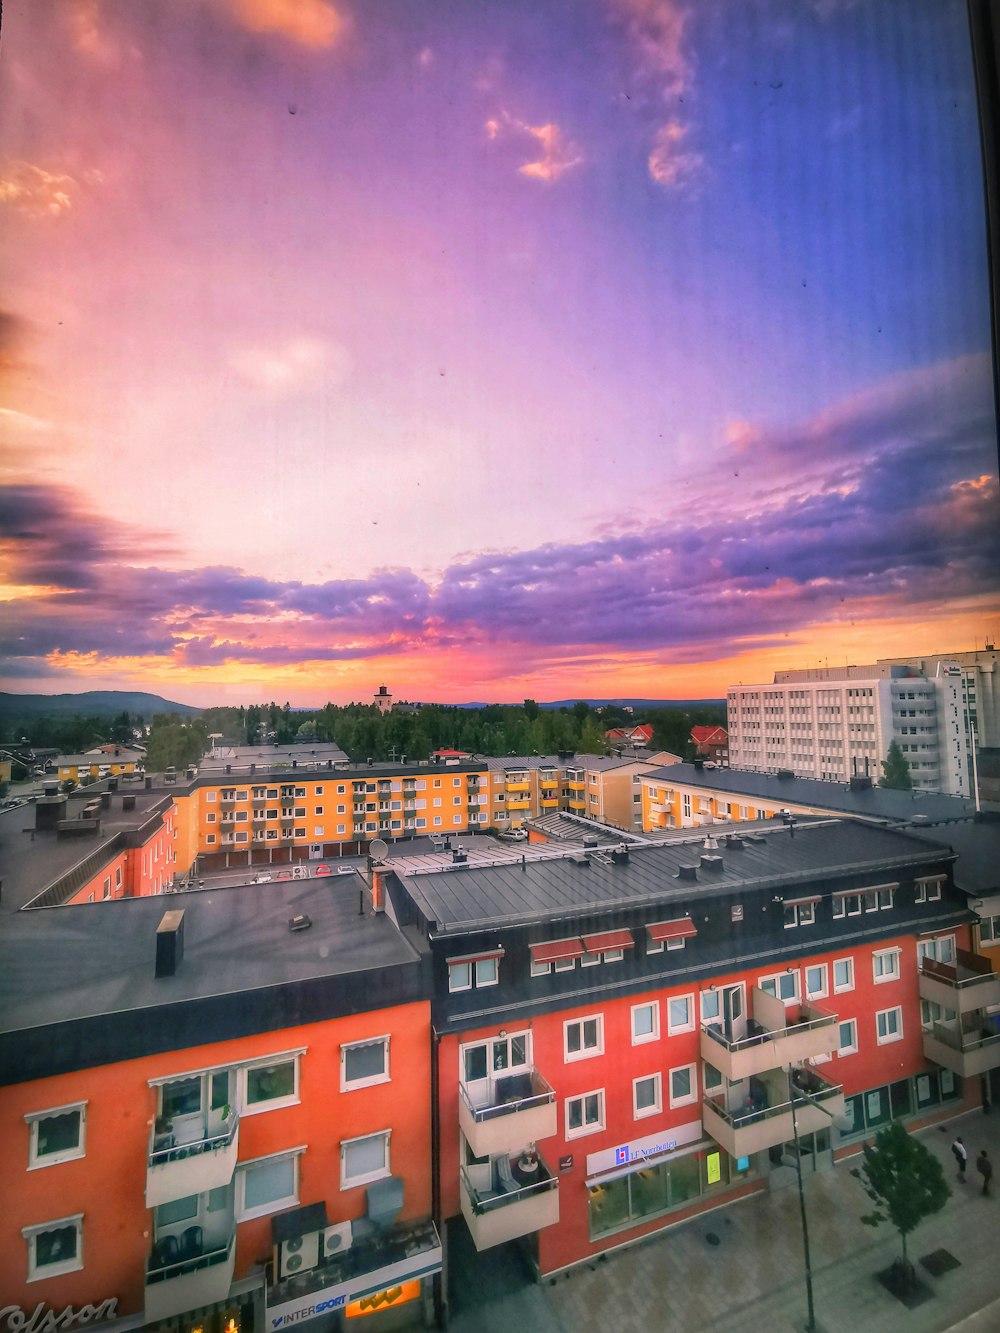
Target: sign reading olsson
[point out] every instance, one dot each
(48, 1321)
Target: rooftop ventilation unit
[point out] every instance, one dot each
(300, 922)
(687, 872)
(711, 863)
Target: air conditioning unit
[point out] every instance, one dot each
(298, 1255)
(337, 1239)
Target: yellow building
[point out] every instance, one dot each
(111, 763)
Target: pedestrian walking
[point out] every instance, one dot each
(985, 1168)
(961, 1157)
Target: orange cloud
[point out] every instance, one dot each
(558, 153)
(34, 190)
(741, 435)
(669, 165)
(309, 22)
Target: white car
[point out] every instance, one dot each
(514, 835)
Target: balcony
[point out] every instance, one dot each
(762, 1118)
(519, 805)
(518, 784)
(963, 986)
(190, 1160)
(174, 1288)
(968, 1046)
(576, 803)
(517, 1201)
(776, 1036)
(575, 784)
(287, 801)
(518, 1109)
(550, 803)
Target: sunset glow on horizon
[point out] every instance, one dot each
(572, 348)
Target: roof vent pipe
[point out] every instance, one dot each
(169, 943)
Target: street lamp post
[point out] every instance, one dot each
(811, 1313)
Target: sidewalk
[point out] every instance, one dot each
(742, 1268)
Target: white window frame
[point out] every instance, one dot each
(928, 889)
(34, 1119)
(540, 969)
(781, 979)
(585, 1052)
(849, 984)
(641, 1038)
(243, 1213)
(368, 1081)
(477, 978)
(46, 1271)
(686, 1099)
(584, 1128)
(800, 914)
(687, 1026)
(882, 957)
(823, 989)
(889, 1036)
(352, 1182)
(852, 1046)
(273, 1104)
(641, 1112)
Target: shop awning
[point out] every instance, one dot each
(678, 929)
(610, 939)
(553, 950)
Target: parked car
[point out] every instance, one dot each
(514, 835)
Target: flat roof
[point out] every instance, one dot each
(837, 797)
(33, 859)
(977, 870)
(467, 898)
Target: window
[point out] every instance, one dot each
(647, 1096)
(57, 1135)
(801, 913)
(267, 1184)
(645, 1023)
(889, 1025)
(847, 904)
(365, 1159)
(464, 973)
(848, 1037)
(939, 950)
(54, 1247)
(783, 986)
(816, 986)
(843, 975)
(584, 1115)
(680, 1014)
(583, 1038)
(928, 890)
(683, 1085)
(363, 1063)
(317, 809)
(885, 965)
(268, 1086)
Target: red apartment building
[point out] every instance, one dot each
(608, 1059)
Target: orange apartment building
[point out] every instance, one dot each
(226, 1124)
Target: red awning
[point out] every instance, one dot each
(552, 951)
(611, 939)
(476, 957)
(672, 930)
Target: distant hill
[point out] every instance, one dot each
(90, 703)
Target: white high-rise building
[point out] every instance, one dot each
(836, 723)
(980, 687)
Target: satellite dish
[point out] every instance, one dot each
(378, 849)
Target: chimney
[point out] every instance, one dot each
(128, 802)
(112, 784)
(378, 889)
(169, 943)
(105, 800)
(149, 784)
(619, 856)
(687, 872)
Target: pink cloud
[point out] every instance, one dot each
(557, 156)
(309, 22)
(669, 164)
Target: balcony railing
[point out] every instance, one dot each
(777, 1037)
(517, 1203)
(187, 1283)
(519, 1109)
(176, 1169)
(764, 1119)
(965, 985)
(968, 1046)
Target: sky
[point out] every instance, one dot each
(517, 348)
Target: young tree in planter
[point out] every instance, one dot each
(906, 1183)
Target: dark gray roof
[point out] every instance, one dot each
(469, 898)
(74, 963)
(837, 797)
(32, 860)
(977, 870)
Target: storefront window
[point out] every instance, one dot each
(660, 1188)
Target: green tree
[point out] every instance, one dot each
(531, 709)
(905, 1181)
(895, 770)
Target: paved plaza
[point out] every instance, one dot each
(741, 1267)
